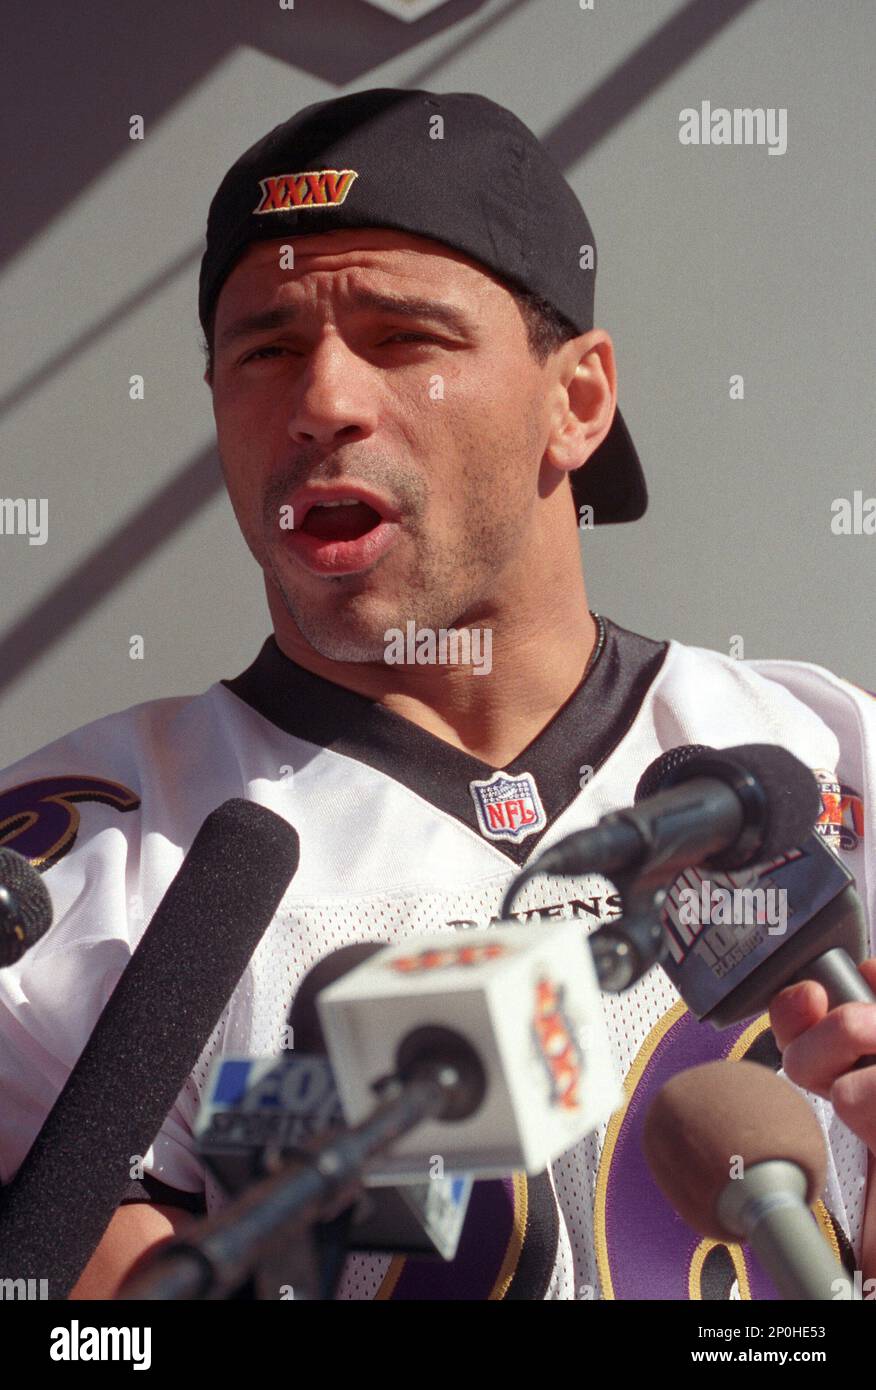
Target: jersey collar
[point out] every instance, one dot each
(582, 733)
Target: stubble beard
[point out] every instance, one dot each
(452, 581)
(450, 586)
(351, 622)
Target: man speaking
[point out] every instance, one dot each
(417, 418)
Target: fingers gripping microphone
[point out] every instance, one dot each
(146, 1042)
(740, 1156)
(25, 906)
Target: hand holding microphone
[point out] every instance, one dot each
(830, 1050)
(813, 975)
(721, 811)
(809, 974)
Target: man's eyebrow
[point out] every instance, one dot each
(261, 322)
(404, 306)
(414, 307)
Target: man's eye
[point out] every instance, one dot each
(412, 337)
(269, 353)
(261, 352)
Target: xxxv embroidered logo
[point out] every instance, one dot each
(556, 1043)
(436, 959)
(318, 188)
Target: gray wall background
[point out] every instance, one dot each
(713, 261)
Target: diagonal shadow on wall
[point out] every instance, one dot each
(590, 121)
(72, 75)
(654, 62)
(50, 368)
(82, 588)
(656, 59)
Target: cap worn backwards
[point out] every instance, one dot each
(485, 186)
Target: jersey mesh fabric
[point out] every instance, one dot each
(384, 861)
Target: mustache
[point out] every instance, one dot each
(405, 490)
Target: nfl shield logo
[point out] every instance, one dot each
(509, 808)
(408, 9)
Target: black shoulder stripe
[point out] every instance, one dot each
(151, 1189)
(539, 1253)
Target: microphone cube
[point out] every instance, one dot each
(527, 1000)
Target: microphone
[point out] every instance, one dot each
(526, 1003)
(146, 1042)
(727, 808)
(732, 807)
(492, 1053)
(706, 1123)
(264, 1232)
(258, 1110)
(726, 958)
(25, 906)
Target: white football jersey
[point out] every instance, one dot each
(401, 833)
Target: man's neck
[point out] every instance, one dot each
(494, 716)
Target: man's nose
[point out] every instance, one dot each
(334, 398)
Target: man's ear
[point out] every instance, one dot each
(586, 396)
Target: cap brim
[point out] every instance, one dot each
(612, 481)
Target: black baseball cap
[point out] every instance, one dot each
(454, 167)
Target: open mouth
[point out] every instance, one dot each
(340, 521)
(341, 532)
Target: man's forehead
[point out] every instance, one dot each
(378, 247)
(344, 240)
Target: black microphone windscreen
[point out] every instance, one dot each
(660, 774)
(303, 1018)
(146, 1042)
(791, 798)
(25, 906)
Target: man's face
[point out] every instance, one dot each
(439, 413)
